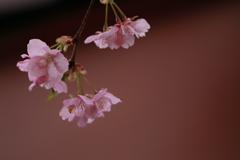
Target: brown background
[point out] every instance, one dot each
(179, 86)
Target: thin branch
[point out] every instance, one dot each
(79, 32)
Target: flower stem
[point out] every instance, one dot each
(79, 32)
(119, 10)
(79, 83)
(95, 91)
(55, 45)
(114, 11)
(106, 18)
(60, 47)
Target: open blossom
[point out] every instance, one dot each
(84, 110)
(121, 34)
(103, 102)
(45, 67)
(78, 109)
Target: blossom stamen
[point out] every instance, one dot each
(70, 108)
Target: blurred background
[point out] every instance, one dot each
(179, 84)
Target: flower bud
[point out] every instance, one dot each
(104, 1)
(65, 42)
(71, 74)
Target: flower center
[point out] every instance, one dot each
(78, 110)
(44, 61)
(70, 108)
(81, 107)
(101, 103)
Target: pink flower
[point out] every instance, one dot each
(103, 101)
(85, 110)
(78, 109)
(45, 67)
(121, 34)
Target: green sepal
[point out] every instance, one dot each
(51, 95)
(63, 78)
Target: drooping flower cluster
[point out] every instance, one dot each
(48, 68)
(45, 67)
(121, 34)
(85, 110)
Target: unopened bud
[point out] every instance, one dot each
(105, 28)
(104, 1)
(81, 69)
(71, 74)
(65, 42)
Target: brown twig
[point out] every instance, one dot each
(78, 34)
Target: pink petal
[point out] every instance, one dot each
(71, 117)
(24, 55)
(112, 98)
(120, 38)
(81, 121)
(113, 42)
(101, 39)
(60, 87)
(31, 78)
(101, 43)
(110, 32)
(99, 114)
(31, 86)
(23, 65)
(61, 63)
(90, 120)
(91, 111)
(35, 47)
(64, 113)
(100, 94)
(41, 80)
(91, 38)
(71, 101)
(132, 31)
(53, 73)
(86, 100)
(107, 106)
(46, 84)
(141, 26)
(34, 69)
(129, 41)
(54, 52)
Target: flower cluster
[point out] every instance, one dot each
(85, 110)
(121, 34)
(48, 68)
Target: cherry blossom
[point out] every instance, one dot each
(45, 67)
(103, 102)
(121, 34)
(84, 110)
(79, 109)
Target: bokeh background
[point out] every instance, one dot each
(179, 84)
